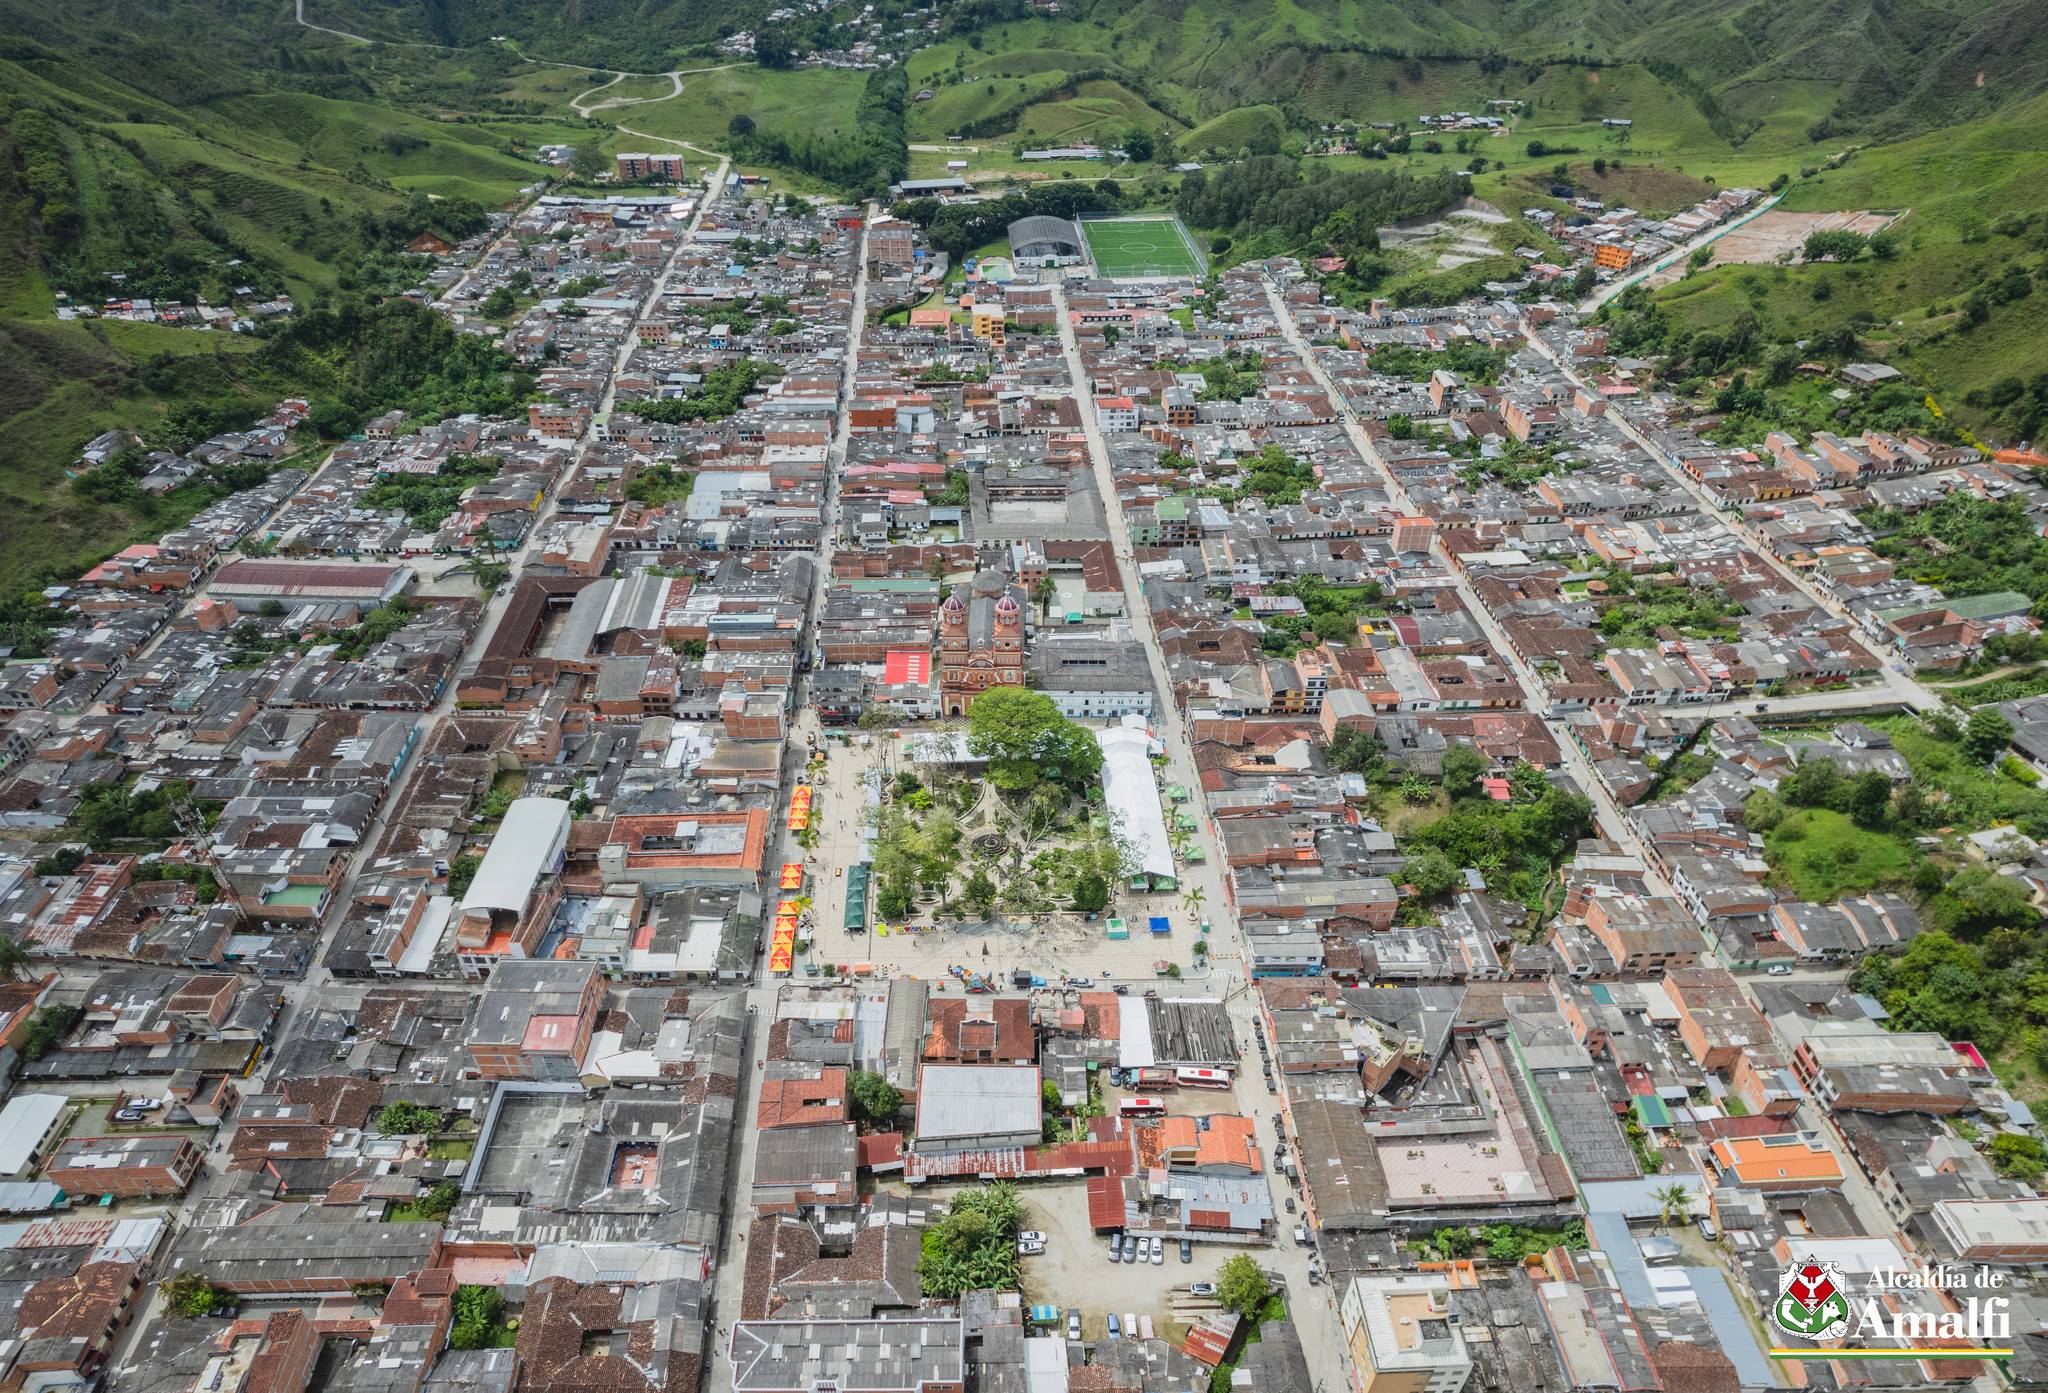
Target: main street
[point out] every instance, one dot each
(729, 1280)
(1322, 1338)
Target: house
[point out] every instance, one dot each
(146, 1165)
(535, 1020)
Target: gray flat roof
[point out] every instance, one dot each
(885, 1356)
(976, 1100)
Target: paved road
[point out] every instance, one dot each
(583, 106)
(1713, 234)
(1908, 691)
(1314, 1315)
(1614, 824)
(729, 1281)
(1206, 876)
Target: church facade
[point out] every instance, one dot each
(981, 641)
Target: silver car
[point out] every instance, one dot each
(1158, 1250)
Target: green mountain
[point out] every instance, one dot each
(200, 149)
(204, 146)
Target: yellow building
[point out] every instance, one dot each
(1402, 1337)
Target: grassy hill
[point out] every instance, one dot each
(198, 145)
(132, 144)
(1960, 305)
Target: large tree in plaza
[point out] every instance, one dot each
(1026, 740)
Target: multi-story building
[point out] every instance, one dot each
(536, 1019)
(1402, 1336)
(146, 1164)
(637, 165)
(981, 642)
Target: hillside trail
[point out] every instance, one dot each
(299, 14)
(584, 106)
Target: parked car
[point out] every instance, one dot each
(1114, 1329)
(1187, 1250)
(1116, 1247)
(1707, 1229)
(1779, 970)
(1201, 1288)
(1290, 1204)
(1301, 1238)
(1080, 981)
(1029, 1250)
(1158, 1250)
(1031, 1236)
(1131, 1246)
(1315, 1277)
(1131, 1324)
(1074, 1326)
(131, 1115)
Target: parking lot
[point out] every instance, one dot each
(1075, 1270)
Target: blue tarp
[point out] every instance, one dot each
(1161, 924)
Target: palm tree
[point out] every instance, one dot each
(1194, 895)
(488, 574)
(1674, 1202)
(14, 959)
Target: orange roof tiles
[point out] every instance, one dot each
(1768, 1161)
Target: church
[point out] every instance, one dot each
(981, 641)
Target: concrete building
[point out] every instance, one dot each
(1402, 1337)
(876, 1356)
(513, 892)
(1790, 1163)
(2004, 1233)
(535, 1020)
(145, 1164)
(28, 1124)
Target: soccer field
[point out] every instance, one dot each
(1140, 247)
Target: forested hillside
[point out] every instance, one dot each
(196, 149)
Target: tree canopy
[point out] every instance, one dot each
(1026, 740)
(974, 1246)
(1241, 1285)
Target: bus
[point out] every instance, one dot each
(1142, 1107)
(1202, 1078)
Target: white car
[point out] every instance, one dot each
(1030, 1250)
(1031, 1236)
(1201, 1288)
(1158, 1250)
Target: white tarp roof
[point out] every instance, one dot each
(1133, 797)
(524, 850)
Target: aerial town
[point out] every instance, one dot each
(1063, 822)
